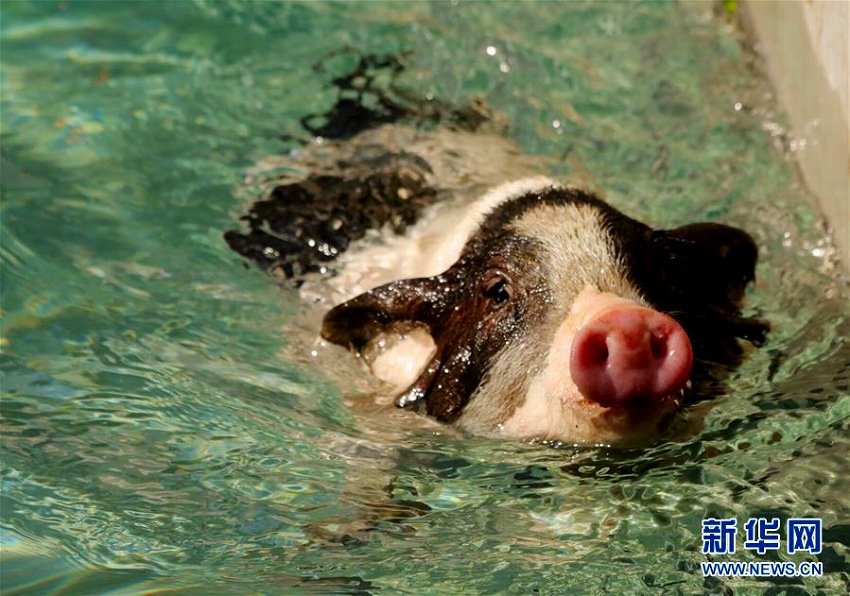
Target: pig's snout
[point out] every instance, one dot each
(630, 352)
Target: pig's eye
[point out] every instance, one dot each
(498, 290)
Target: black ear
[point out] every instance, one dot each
(699, 273)
(710, 263)
(355, 322)
(445, 384)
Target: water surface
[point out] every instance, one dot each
(159, 431)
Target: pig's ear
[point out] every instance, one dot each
(355, 322)
(709, 262)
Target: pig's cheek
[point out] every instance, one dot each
(553, 408)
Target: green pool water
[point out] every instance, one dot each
(161, 432)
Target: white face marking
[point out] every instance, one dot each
(578, 251)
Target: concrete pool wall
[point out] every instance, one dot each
(805, 46)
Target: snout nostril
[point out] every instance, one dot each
(658, 346)
(598, 350)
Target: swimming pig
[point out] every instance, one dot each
(557, 318)
(537, 311)
(533, 310)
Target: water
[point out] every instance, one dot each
(162, 433)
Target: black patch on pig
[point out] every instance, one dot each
(304, 225)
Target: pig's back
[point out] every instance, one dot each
(391, 203)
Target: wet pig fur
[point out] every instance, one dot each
(497, 314)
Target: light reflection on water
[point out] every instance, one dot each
(154, 438)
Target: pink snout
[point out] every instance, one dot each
(630, 352)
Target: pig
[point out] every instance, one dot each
(532, 310)
(541, 312)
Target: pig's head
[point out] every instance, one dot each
(564, 319)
